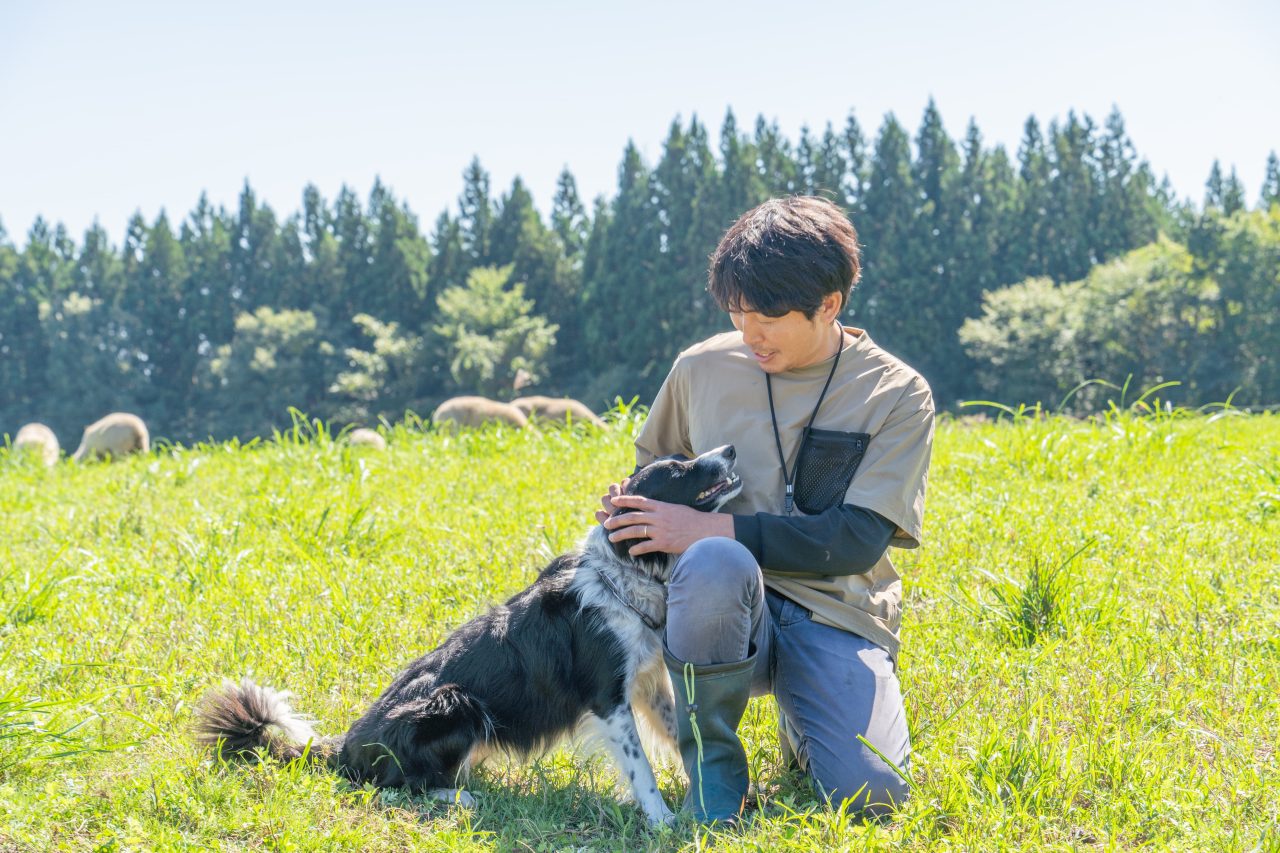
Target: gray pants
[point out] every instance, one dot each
(830, 685)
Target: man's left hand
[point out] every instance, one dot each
(670, 528)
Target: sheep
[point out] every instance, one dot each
(556, 409)
(38, 438)
(118, 434)
(365, 437)
(477, 411)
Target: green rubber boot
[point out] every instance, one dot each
(710, 701)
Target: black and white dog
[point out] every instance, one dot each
(582, 644)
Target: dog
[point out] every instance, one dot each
(581, 644)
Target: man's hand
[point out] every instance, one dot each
(615, 490)
(670, 528)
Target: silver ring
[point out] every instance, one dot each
(646, 531)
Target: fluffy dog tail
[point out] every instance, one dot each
(238, 719)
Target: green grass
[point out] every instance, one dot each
(1091, 649)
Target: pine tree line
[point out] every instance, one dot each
(348, 310)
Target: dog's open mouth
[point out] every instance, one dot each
(721, 488)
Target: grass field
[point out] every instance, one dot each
(1091, 650)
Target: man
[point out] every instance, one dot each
(791, 590)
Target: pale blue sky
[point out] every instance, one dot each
(107, 108)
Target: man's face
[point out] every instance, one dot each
(792, 340)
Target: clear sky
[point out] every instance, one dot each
(108, 108)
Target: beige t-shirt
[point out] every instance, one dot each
(715, 394)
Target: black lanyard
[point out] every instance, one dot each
(790, 479)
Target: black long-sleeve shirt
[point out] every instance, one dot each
(843, 540)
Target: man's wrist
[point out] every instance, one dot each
(723, 525)
(746, 529)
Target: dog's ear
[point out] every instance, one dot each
(674, 457)
(660, 470)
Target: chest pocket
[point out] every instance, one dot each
(825, 467)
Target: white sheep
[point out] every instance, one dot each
(476, 412)
(38, 438)
(365, 437)
(556, 409)
(118, 434)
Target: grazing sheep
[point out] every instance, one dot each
(365, 437)
(556, 409)
(38, 438)
(477, 411)
(118, 434)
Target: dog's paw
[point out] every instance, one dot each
(660, 817)
(454, 796)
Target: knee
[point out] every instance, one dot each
(714, 591)
(718, 563)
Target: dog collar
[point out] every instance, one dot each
(648, 620)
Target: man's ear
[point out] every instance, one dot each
(830, 308)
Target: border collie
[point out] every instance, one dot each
(581, 644)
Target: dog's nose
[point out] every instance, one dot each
(729, 452)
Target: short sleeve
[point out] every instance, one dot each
(666, 431)
(892, 476)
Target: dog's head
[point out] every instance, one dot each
(705, 483)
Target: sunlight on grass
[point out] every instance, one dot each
(1090, 652)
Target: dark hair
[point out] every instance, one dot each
(785, 255)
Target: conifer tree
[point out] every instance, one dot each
(1029, 249)
(256, 260)
(321, 285)
(475, 214)
(711, 217)
(854, 147)
(986, 188)
(448, 267)
(569, 217)
(775, 164)
(1215, 188)
(593, 254)
(806, 158)
(1001, 214)
(1270, 193)
(929, 283)
(724, 191)
(399, 260)
(620, 282)
(740, 187)
(1232, 194)
(36, 276)
(537, 260)
(984, 196)
(97, 269)
(355, 252)
(822, 165)
(1123, 213)
(1067, 230)
(886, 231)
(514, 213)
(680, 184)
(166, 350)
(831, 167)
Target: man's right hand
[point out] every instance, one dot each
(607, 501)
